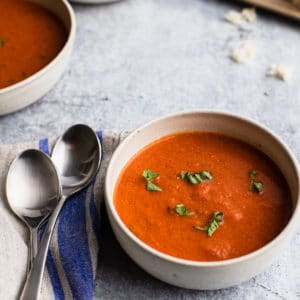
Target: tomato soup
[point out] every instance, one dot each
(203, 196)
(30, 37)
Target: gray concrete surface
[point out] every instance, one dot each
(139, 59)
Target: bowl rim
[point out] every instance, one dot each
(67, 44)
(289, 227)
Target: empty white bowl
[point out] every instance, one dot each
(195, 274)
(29, 90)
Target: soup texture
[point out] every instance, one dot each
(30, 37)
(202, 196)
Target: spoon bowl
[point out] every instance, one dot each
(77, 156)
(33, 191)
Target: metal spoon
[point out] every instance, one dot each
(77, 157)
(33, 191)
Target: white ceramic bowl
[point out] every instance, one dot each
(29, 90)
(193, 274)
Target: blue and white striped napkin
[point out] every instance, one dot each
(72, 257)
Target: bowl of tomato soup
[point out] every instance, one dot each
(203, 200)
(36, 38)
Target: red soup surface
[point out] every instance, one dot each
(30, 37)
(219, 197)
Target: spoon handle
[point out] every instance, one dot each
(33, 282)
(33, 247)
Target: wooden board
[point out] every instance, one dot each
(284, 7)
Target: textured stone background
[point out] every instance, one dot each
(140, 59)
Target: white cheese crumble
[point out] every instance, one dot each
(249, 14)
(238, 18)
(243, 54)
(234, 17)
(279, 71)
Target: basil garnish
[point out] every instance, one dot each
(213, 224)
(150, 175)
(196, 178)
(181, 210)
(255, 186)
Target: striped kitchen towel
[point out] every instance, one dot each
(72, 257)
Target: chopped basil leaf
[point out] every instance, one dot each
(150, 175)
(206, 175)
(181, 210)
(202, 228)
(152, 187)
(2, 43)
(213, 225)
(196, 178)
(255, 186)
(252, 174)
